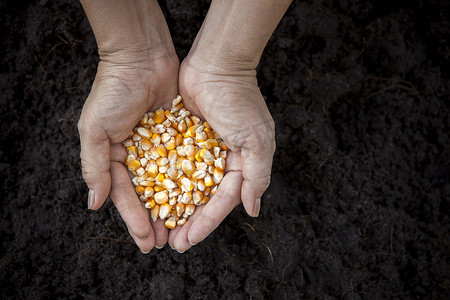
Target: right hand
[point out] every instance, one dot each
(126, 86)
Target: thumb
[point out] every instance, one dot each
(256, 169)
(95, 161)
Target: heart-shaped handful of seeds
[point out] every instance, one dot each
(177, 161)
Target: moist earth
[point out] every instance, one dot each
(358, 206)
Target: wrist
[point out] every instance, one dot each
(129, 30)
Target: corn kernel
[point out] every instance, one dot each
(140, 189)
(146, 145)
(164, 210)
(161, 150)
(161, 197)
(159, 116)
(170, 223)
(154, 212)
(134, 165)
(144, 132)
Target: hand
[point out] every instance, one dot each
(230, 100)
(126, 86)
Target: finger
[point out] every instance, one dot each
(161, 233)
(131, 210)
(256, 169)
(118, 153)
(95, 162)
(233, 162)
(221, 204)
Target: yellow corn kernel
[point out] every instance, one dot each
(206, 124)
(152, 169)
(144, 132)
(182, 127)
(179, 209)
(219, 163)
(165, 137)
(128, 143)
(190, 132)
(181, 222)
(223, 146)
(156, 139)
(129, 158)
(170, 144)
(162, 161)
(177, 100)
(169, 184)
(144, 120)
(200, 136)
(154, 212)
(179, 163)
(199, 174)
(214, 190)
(167, 123)
(178, 140)
(161, 150)
(159, 116)
(169, 115)
(147, 183)
(198, 156)
(177, 107)
(196, 120)
(201, 185)
(149, 204)
(160, 177)
(172, 173)
(171, 223)
(216, 152)
(204, 200)
(132, 150)
(208, 180)
(172, 156)
(197, 196)
(146, 145)
(134, 165)
(140, 189)
(189, 150)
(161, 197)
(186, 185)
(186, 198)
(148, 192)
(158, 188)
(190, 208)
(214, 143)
(207, 191)
(175, 192)
(164, 210)
(188, 122)
(140, 152)
(188, 167)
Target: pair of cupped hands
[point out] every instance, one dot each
(223, 91)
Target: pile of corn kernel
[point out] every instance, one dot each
(177, 161)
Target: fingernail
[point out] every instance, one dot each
(172, 247)
(159, 247)
(91, 199)
(145, 252)
(180, 252)
(256, 207)
(192, 244)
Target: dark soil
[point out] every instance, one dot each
(359, 202)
